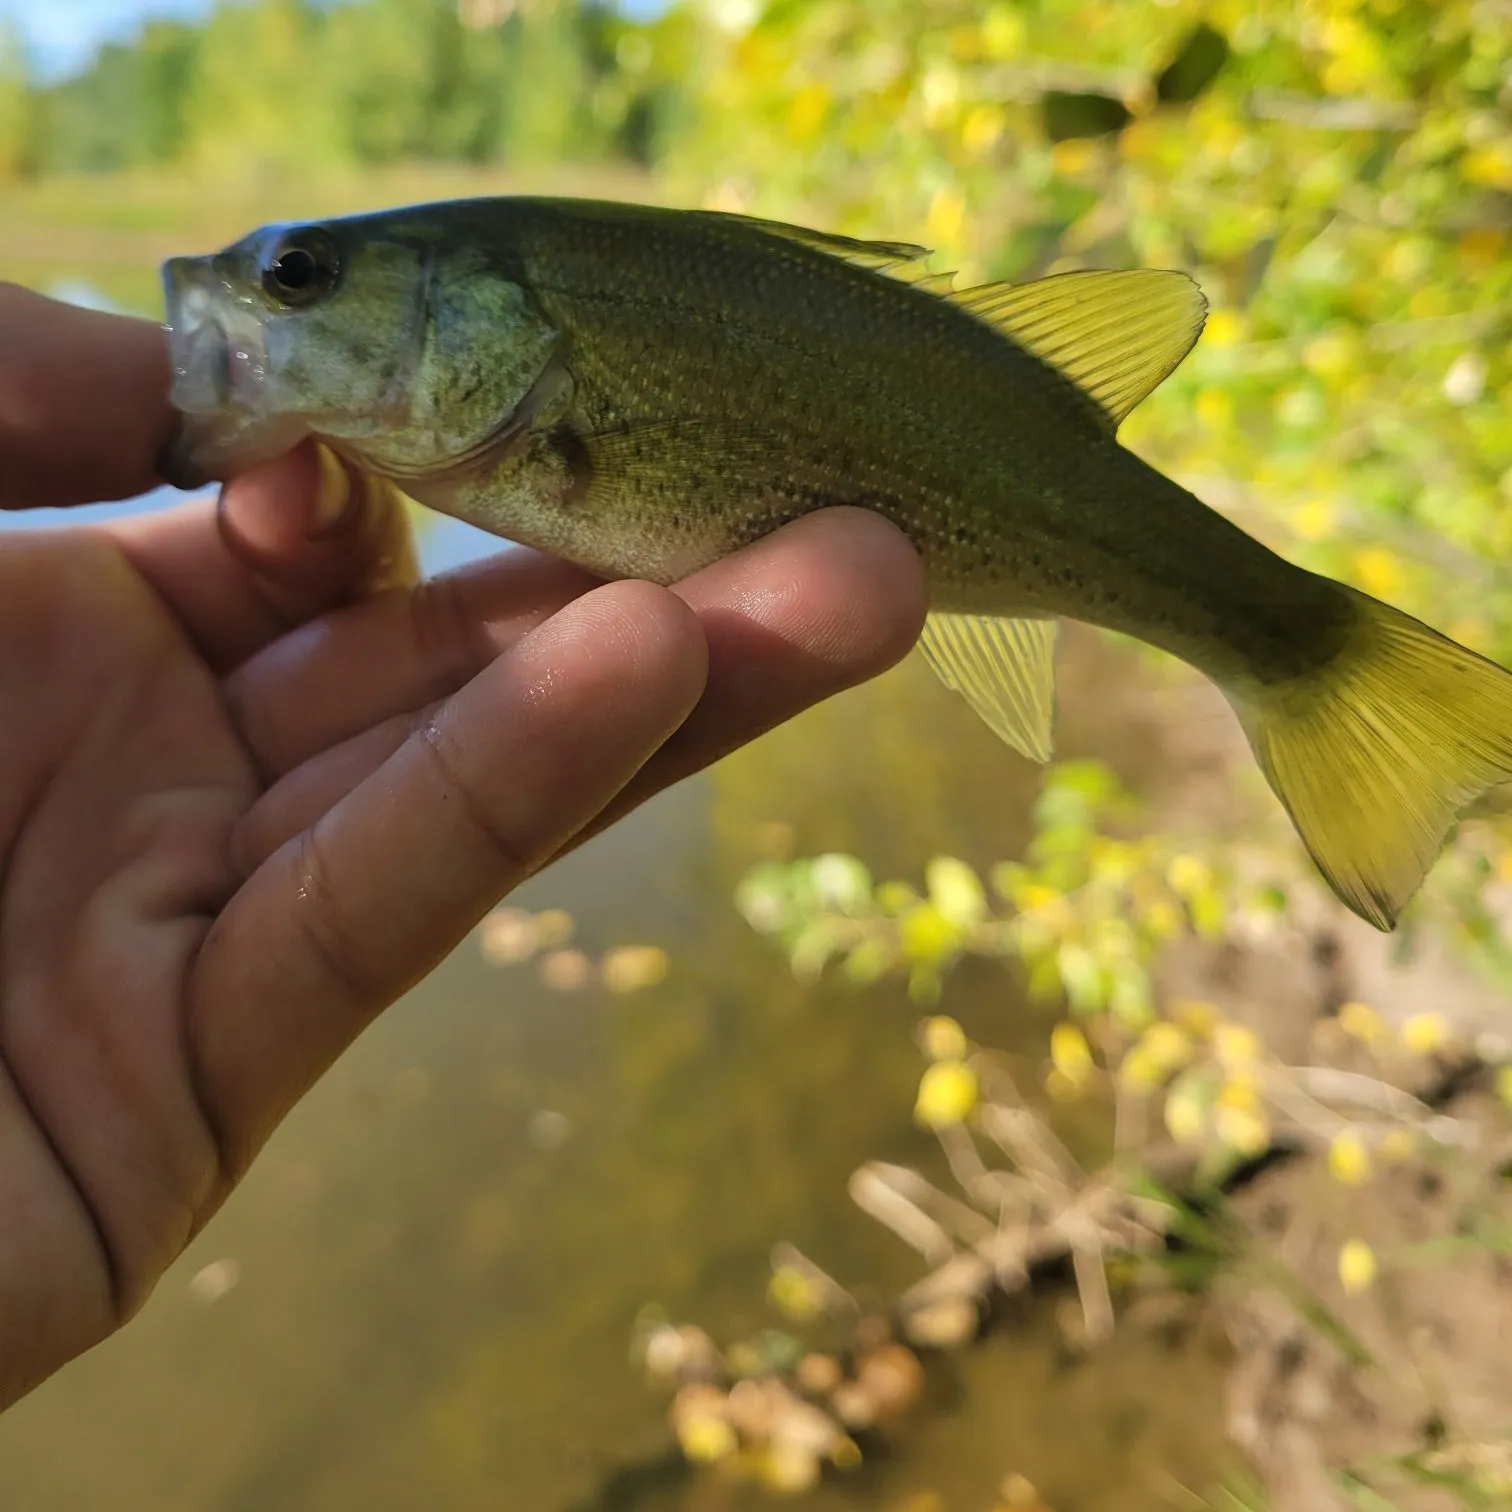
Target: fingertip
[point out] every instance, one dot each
(871, 581)
(844, 586)
(310, 518)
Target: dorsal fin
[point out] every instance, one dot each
(901, 260)
(1116, 335)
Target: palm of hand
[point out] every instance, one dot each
(256, 781)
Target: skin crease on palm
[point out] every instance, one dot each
(257, 780)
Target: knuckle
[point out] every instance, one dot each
(516, 853)
(337, 945)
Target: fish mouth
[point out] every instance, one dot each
(218, 347)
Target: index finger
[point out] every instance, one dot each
(84, 407)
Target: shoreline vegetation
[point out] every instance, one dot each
(1331, 1111)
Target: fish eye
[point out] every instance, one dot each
(303, 268)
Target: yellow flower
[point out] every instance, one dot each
(1357, 1267)
(1169, 1046)
(947, 1094)
(1349, 1159)
(1424, 1033)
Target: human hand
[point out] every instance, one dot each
(256, 781)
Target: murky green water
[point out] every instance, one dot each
(433, 1300)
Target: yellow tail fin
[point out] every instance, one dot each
(1376, 753)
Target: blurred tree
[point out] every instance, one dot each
(17, 122)
(258, 101)
(410, 80)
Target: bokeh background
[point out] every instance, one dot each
(455, 1278)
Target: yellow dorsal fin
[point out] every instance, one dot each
(1116, 335)
(1004, 668)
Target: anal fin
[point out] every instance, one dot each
(1004, 668)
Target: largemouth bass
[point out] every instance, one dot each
(642, 391)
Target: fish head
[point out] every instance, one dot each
(403, 349)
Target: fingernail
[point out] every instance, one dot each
(333, 491)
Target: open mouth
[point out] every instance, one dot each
(218, 349)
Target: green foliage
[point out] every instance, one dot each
(299, 87)
(1086, 911)
(17, 125)
(1336, 174)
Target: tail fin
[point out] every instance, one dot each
(1376, 753)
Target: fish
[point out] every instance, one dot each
(642, 391)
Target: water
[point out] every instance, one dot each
(418, 1298)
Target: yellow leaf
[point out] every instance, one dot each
(947, 1094)
(1357, 1267)
(1424, 1033)
(956, 890)
(1349, 1159)
(1070, 1053)
(706, 1439)
(1168, 1046)
(927, 935)
(1185, 1116)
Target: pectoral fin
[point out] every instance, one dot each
(1005, 669)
